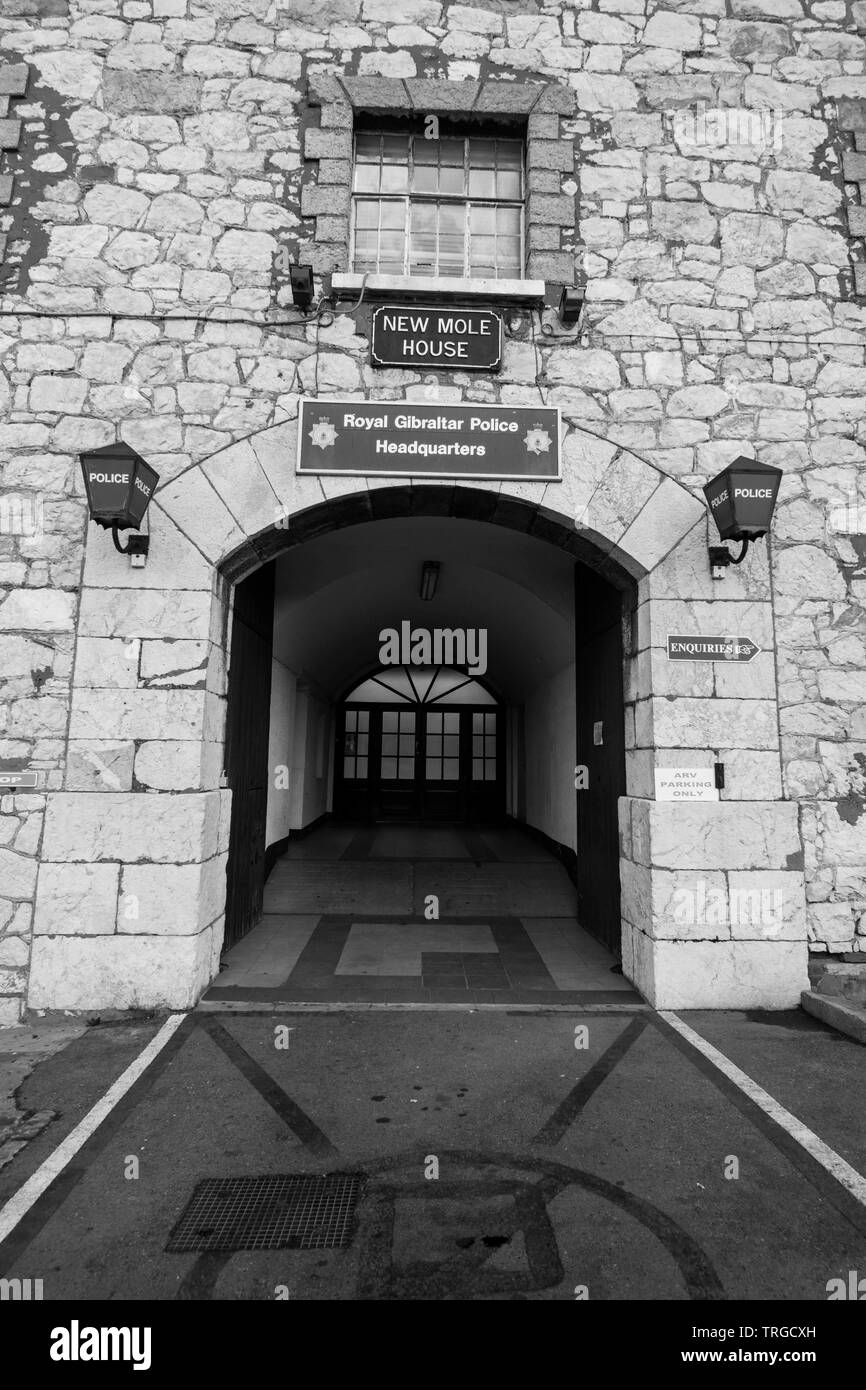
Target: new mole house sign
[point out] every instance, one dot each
(466, 339)
(405, 439)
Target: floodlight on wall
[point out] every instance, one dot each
(119, 486)
(429, 579)
(571, 304)
(301, 281)
(741, 499)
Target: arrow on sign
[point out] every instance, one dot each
(696, 648)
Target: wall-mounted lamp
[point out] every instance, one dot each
(301, 281)
(571, 303)
(119, 486)
(429, 579)
(741, 499)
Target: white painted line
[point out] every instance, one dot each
(834, 1164)
(19, 1205)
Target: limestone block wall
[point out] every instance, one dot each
(168, 149)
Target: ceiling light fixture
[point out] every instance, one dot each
(429, 579)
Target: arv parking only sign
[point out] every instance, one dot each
(685, 784)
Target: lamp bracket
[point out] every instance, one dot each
(136, 544)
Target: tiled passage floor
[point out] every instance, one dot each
(406, 914)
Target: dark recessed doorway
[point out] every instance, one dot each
(420, 744)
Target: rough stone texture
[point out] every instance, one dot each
(702, 164)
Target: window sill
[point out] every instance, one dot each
(438, 287)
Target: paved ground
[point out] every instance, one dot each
(347, 917)
(558, 1167)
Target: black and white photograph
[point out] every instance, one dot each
(432, 676)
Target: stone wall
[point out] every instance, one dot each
(168, 149)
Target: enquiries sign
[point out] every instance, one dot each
(456, 339)
(405, 439)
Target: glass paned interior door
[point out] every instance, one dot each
(442, 746)
(356, 744)
(398, 745)
(484, 746)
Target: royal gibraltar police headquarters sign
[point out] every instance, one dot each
(466, 340)
(405, 439)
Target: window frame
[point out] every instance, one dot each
(464, 200)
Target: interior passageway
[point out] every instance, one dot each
(348, 916)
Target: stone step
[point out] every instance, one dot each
(840, 1014)
(839, 978)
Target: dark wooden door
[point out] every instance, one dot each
(247, 734)
(411, 763)
(601, 749)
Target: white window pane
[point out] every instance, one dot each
(451, 770)
(482, 183)
(452, 221)
(389, 769)
(452, 745)
(407, 745)
(482, 153)
(478, 769)
(424, 219)
(482, 220)
(393, 216)
(363, 716)
(451, 181)
(389, 745)
(366, 213)
(508, 183)
(508, 222)
(452, 723)
(434, 744)
(426, 179)
(391, 245)
(367, 147)
(395, 178)
(407, 769)
(489, 772)
(434, 773)
(366, 178)
(389, 721)
(434, 722)
(362, 767)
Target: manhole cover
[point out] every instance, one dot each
(278, 1212)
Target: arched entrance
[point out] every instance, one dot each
(529, 730)
(144, 811)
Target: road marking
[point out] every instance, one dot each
(27, 1195)
(832, 1162)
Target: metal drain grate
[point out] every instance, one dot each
(277, 1212)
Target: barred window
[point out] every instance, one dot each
(452, 206)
